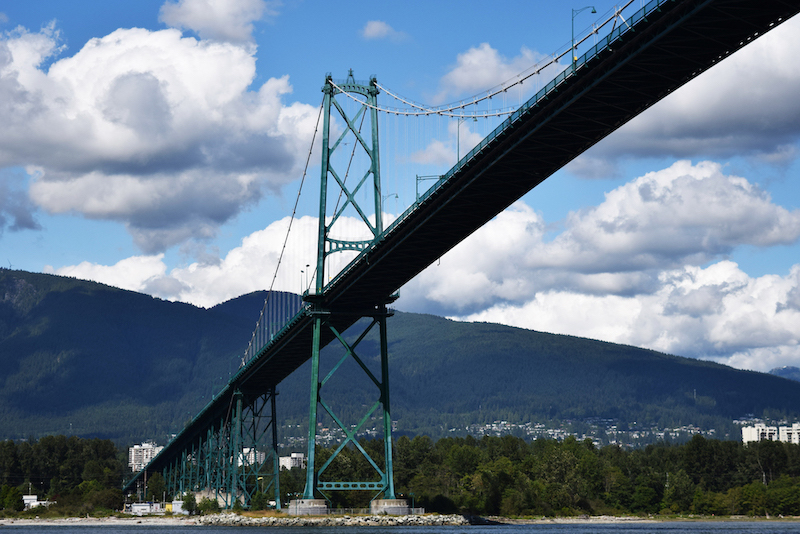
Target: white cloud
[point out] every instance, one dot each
(716, 313)
(132, 273)
(745, 105)
(151, 129)
(683, 215)
(377, 29)
(483, 67)
(222, 20)
(246, 268)
(460, 140)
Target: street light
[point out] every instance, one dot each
(385, 197)
(574, 14)
(458, 135)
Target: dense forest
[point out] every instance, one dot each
(130, 367)
(511, 477)
(489, 476)
(79, 475)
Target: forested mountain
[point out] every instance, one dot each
(81, 358)
(787, 371)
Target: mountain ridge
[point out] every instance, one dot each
(97, 361)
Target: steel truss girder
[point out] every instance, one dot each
(236, 458)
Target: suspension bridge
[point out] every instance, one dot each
(229, 450)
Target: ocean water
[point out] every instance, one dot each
(678, 527)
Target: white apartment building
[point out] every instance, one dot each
(297, 459)
(251, 456)
(790, 434)
(140, 455)
(762, 432)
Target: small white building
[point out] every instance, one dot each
(32, 501)
(297, 459)
(144, 508)
(177, 507)
(140, 455)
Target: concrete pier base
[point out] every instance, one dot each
(389, 507)
(308, 507)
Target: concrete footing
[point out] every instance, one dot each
(308, 507)
(389, 507)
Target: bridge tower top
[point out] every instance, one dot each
(350, 171)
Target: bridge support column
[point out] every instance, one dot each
(257, 470)
(382, 483)
(311, 473)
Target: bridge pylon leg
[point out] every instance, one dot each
(382, 481)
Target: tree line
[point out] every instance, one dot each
(488, 476)
(512, 477)
(80, 475)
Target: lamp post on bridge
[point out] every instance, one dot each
(458, 135)
(386, 197)
(572, 50)
(302, 280)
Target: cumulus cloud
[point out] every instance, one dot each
(246, 268)
(745, 105)
(717, 313)
(683, 215)
(647, 267)
(222, 20)
(460, 140)
(152, 129)
(634, 269)
(483, 67)
(132, 273)
(17, 212)
(377, 29)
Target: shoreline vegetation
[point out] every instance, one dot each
(491, 477)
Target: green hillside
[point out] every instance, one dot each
(87, 359)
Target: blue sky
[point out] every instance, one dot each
(158, 146)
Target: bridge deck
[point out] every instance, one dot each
(671, 42)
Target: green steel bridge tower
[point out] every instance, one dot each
(359, 148)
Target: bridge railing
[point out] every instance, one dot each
(278, 313)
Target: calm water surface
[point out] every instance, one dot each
(758, 527)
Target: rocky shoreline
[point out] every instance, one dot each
(235, 520)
